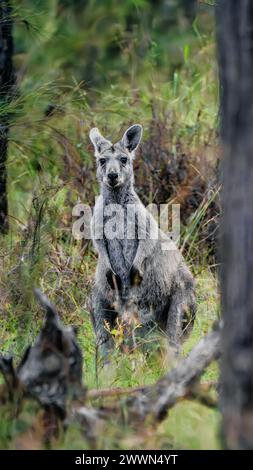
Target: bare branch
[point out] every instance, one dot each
(177, 384)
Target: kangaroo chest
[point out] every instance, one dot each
(120, 232)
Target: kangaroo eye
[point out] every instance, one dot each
(102, 161)
(123, 160)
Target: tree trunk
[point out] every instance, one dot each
(235, 47)
(6, 84)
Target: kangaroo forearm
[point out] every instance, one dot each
(102, 251)
(144, 250)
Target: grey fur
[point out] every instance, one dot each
(134, 277)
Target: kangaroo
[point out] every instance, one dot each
(140, 271)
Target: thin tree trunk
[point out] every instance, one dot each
(6, 84)
(235, 47)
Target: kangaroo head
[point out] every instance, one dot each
(115, 162)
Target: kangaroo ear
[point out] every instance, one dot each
(132, 137)
(99, 142)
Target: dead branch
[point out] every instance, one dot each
(112, 392)
(155, 401)
(199, 393)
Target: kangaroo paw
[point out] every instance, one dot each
(113, 280)
(136, 276)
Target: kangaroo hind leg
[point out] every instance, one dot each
(181, 315)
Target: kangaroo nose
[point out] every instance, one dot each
(113, 177)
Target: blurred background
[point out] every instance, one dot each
(85, 63)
